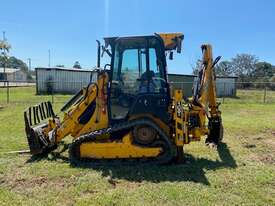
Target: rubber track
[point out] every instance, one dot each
(164, 142)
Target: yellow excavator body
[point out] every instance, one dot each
(128, 112)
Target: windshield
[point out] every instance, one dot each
(137, 70)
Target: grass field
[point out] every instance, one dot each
(240, 172)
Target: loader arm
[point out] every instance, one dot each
(87, 115)
(86, 111)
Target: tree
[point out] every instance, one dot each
(264, 70)
(272, 83)
(77, 65)
(4, 47)
(13, 62)
(243, 66)
(197, 67)
(224, 68)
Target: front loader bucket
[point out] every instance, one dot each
(33, 116)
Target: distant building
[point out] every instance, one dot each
(182, 81)
(70, 81)
(61, 80)
(11, 74)
(225, 86)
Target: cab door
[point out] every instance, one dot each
(137, 70)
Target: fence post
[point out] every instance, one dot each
(53, 92)
(223, 92)
(264, 94)
(8, 92)
(52, 96)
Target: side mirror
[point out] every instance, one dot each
(171, 55)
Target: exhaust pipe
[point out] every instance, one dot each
(98, 53)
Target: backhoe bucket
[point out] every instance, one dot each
(34, 128)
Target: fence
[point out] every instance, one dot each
(26, 92)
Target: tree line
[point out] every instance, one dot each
(249, 70)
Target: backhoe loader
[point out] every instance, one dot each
(129, 111)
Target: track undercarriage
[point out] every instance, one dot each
(113, 143)
(89, 147)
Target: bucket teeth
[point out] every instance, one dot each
(34, 128)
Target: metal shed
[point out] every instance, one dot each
(70, 81)
(12, 74)
(225, 86)
(61, 80)
(182, 81)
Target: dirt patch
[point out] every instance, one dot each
(269, 132)
(265, 158)
(89, 192)
(266, 138)
(130, 186)
(268, 159)
(270, 142)
(29, 184)
(250, 146)
(258, 138)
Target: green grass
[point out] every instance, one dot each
(240, 172)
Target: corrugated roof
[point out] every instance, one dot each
(8, 70)
(191, 75)
(185, 75)
(65, 69)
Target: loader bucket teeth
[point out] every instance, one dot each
(33, 116)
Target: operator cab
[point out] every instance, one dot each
(138, 78)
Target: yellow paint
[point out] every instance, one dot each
(170, 40)
(99, 119)
(119, 149)
(178, 115)
(208, 97)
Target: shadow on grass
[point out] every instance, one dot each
(52, 154)
(191, 170)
